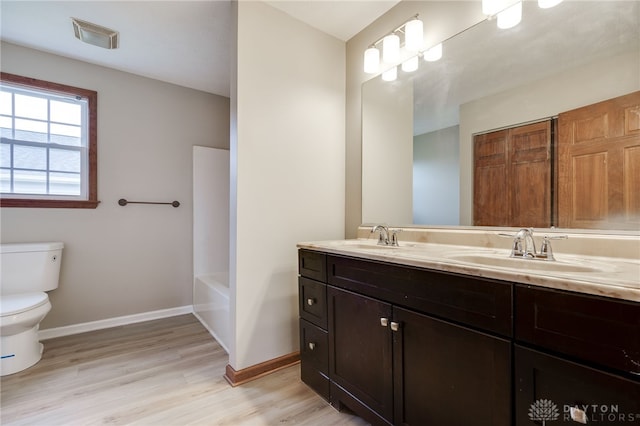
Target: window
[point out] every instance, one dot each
(48, 145)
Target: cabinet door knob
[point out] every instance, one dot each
(395, 326)
(311, 301)
(312, 346)
(384, 322)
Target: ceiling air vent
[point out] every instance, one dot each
(95, 34)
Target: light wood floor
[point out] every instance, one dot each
(164, 372)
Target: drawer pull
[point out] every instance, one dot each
(311, 301)
(577, 415)
(395, 326)
(312, 346)
(384, 322)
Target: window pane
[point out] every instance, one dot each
(5, 155)
(29, 130)
(25, 182)
(5, 180)
(64, 183)
(29, 157)
(66, 135)
(63, 160)
(5, 103)
(31, 107)
(5, 127)
(65, 112)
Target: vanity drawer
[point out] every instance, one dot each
(591, 328)
(312, 299)
(314, 346)
(314, 358)
(312, 264)
(480, 303)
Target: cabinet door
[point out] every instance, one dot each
(546, 388)
(449, 375)
(360, 354)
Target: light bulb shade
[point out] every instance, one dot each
(371, 60)
(391, 49)
(410, 64)
(413, 35)
(434, 53)
(546, 4)
(510, 17)
(390, 74)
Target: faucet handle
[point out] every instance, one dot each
(394, 237)
(545, 250)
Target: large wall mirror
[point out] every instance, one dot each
(418, 131)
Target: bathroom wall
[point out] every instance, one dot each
(388, 129)
(442, 19)
(436, 180)
(287, 168)
(123, 260)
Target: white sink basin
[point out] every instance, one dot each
(530, 264)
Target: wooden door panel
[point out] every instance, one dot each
(632, 120)
(631, 184)
(491, 200)
(512, 177)
(598, 165)
(530, 205)
(590, 187)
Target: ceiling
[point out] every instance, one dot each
(180, 42)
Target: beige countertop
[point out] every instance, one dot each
(616, 277)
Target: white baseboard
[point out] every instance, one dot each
(211, 332)
(68, 330)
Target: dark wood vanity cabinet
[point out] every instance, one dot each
(410, 346)
(395, 358)
(577, 351)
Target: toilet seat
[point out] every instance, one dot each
(13, 304)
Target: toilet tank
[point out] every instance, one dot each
(28, 267)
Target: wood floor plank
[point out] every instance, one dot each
(162, 372)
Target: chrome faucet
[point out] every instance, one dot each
(524, 246)
(383, 238)
(386, 237)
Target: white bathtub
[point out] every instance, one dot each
(211, 305)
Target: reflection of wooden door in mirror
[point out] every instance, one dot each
(599, 165)
(512, 177)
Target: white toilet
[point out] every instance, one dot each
(26, 272)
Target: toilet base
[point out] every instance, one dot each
(19, 351)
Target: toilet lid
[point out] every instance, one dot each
(12, 304)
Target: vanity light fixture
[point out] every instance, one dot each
(391, 49)
(433, 53)
(546, 4)
(413, 39)
(413, 35)
(510, 17)
(391, 74)
(372, 60)
(410, 65)
(95, 34)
